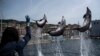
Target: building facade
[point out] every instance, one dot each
(19, 25)
(95, 29)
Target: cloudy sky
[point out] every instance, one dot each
(72, 10)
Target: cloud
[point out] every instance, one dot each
(73, 10)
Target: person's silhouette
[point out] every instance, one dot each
(10, 42)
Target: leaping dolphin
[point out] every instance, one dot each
(40, 23)
(60, 30)
(86, 23)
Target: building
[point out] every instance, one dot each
(19, 25)
(95, 29)
(71, 33)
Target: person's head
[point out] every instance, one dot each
(10, 34)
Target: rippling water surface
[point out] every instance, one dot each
(69, 47)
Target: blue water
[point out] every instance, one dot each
(70, 47)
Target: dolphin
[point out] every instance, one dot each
(60, 30)
(40, 23)
(86, 23)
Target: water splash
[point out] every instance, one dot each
(38, 45)
(85, 44)
(58, 47)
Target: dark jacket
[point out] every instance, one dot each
(16, 47)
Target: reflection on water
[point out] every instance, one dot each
(69, 47)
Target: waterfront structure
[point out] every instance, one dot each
(71, 33)
(20, 25)
(95, 29)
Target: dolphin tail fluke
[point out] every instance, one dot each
(44, 17)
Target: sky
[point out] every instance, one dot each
(72, 10)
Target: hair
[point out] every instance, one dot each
(10, 34)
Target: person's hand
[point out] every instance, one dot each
(27, 20)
